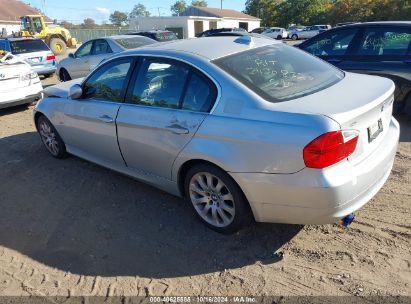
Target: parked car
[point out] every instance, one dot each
(276, 33)
(295, 28)
(94, 51)
(237, 34)
(344, 23)
(219, 30)
(158, 35)
(259, 30)
(306, 33)
(34, 51)
(19, 84)
(253, 127)
(375, 48)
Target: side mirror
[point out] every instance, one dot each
(71, 55)
(75, 92)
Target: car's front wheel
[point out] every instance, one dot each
(50, 138)
(64, 75)
(216, 198)
(294, 37)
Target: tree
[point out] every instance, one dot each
(67, 25)
(199, 3)
(139, 10)
(178, 7)
(118, 18)
(88, 23)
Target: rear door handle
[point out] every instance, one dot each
(106, 118)
(334, 60)
(177, 129)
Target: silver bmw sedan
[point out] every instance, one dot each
(241, 127)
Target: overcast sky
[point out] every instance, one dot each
(77, 10)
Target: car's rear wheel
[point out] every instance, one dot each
(294, 37)
(216, 198)
(50, 138)
(279, 37)
(64, 75)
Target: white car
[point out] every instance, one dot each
(275, 32)
(19, 84)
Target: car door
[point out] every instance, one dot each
(164, 107)
(333, 46)
(384, 51)
(101, 50)
(89, 128)
(79, 66)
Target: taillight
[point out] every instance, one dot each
(330, 148)
(51, 57)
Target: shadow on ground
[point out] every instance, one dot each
(78, 217)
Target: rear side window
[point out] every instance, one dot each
(133, 42)
(334, 43)
(279, 72)
(385, 42)
(28, 46)
(165, 36)
(101, 47)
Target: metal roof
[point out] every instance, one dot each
(216, 12)
(12, 10)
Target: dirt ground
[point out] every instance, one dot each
(70, 228)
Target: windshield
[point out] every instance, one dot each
(279, 72)
(133, 42)
(28, 46)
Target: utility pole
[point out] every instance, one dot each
(221, 4)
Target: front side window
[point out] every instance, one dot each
(84, 50)
(108, 81)
(332, 44)
(160, 83)
(279, 72)
(385, 42)
(101, 47)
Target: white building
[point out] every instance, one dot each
(195, 20)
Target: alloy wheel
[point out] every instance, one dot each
(212, 199)
(49, 137)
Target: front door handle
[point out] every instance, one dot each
(177, 129)
(106, 118)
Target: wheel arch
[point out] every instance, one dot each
(37, 115)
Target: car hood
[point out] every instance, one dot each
(62, 89)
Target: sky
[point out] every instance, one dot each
(76, 11)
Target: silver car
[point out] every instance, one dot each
(94, 51)
(251, 129)
(308, 32)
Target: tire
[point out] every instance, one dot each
(279, 37)
(50, 138)
(58, 46)
(206, 186)
(407, 107)
(294, 37)
(64, 75)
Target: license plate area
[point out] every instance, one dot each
(374, 130)
(35, 59)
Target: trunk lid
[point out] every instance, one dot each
(358, 102)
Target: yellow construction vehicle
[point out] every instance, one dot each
(56, 37)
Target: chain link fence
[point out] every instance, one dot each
(83, 35)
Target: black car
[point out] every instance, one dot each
(375, 48)
(220, 30)
(158, 35)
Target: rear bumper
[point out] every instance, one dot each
(313, 196)
(21, 96)
(26, 100)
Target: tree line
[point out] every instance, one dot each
(306, 12)
(119, 19)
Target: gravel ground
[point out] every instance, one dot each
(70, 228)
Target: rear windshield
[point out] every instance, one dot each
(28, 46)
(165, 36)
(133, 42)
(279, 72)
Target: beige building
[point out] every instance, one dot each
(195, 20)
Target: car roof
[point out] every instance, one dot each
(126, 36)
(201, 46)
(383, 23)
